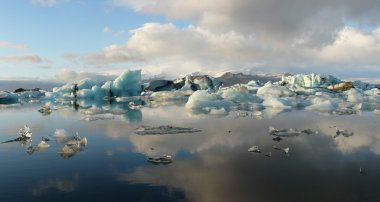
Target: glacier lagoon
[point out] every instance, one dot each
(197, 138)
(212, 164)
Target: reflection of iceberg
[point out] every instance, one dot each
(344, 133)
(45, 110)
(161, 130)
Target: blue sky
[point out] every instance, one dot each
(73, 39)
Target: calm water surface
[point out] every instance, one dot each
(212, 165)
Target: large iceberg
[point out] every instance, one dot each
(270, 89)
(310, 80)
(8, 98)
(205, 99)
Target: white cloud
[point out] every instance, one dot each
(9, 45)
(21, 58)
(48, 3)
(68, 75)
(106, 29)
(299, 36)
(353, 47)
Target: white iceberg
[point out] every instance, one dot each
(8, 98)
(238, 96)
(270, 89)
(202, 98)
(310, 80)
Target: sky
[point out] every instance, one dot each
(68, 40)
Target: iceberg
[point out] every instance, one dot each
(270, 89)
(8, 98)
(310, 80)
(240, 95)
(127, 84)
(162, 130)
(276, 102)
(202, 98)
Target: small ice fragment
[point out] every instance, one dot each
(344, 132)
(254, 149)
(25, 132)
(269, 154)
(43, 144)
(45, 110)
(162, 130)
(277, 139)
(163, 159)
(286, 150)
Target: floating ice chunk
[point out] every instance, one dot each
(310, 80)
(237, 96)
(127, 84)
(254, 83)
(171, 95)
(376, 111)
(43, 144)
(202, 98)
(269, 154)
(161, 130)
(286, 150)
(25, 132)
(275, 102)
(254, 149)
(65, 89)
(362, 85)
(323, 105)
(355, 96)
(8, 98)
(87, 84)
(289, 132)
(45, 110)
(162, 159)
(344, 133)
(75, 145)
(270, 89)
(372, 92)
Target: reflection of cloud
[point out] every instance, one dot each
(365, 133)
(58, 184)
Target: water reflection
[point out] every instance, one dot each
(56, 184)
(210, 165)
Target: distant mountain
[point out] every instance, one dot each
(11, 85)
(229, 78)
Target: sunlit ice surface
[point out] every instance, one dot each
(210, 165)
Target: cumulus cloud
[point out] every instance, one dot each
(48, 3)
(70, 75)
(287, 35)
(106, 29)
(9, 45)
(21, 58)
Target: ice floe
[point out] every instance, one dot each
(162, 130)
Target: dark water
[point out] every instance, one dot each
(212, 165)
